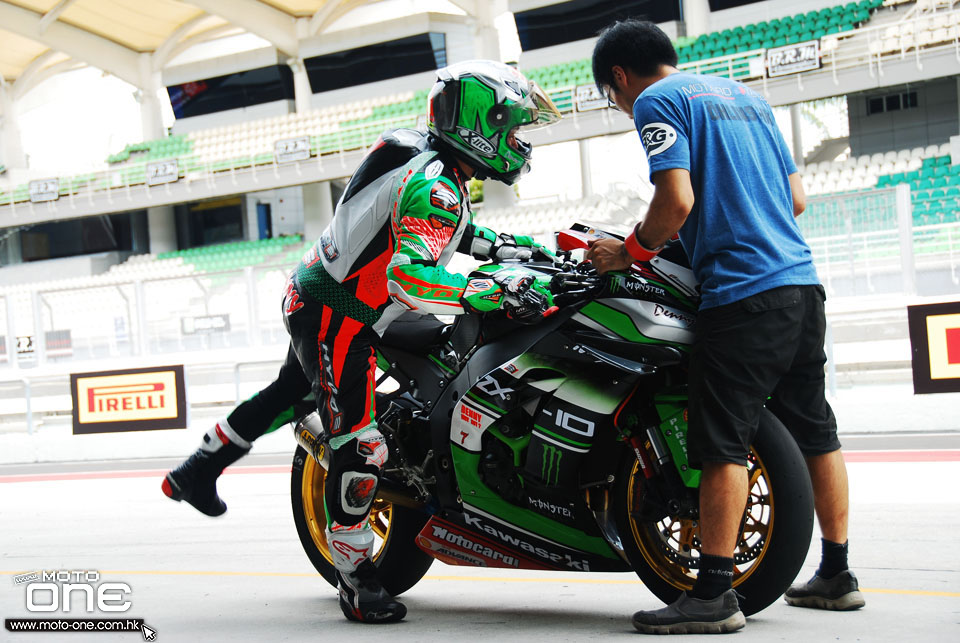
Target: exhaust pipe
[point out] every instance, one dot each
(309, 434)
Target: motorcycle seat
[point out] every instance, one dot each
(415, 333)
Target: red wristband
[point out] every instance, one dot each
(636, 250)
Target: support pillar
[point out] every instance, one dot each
(11, 145)
(696, 17)
(162, 228)
(797, 135)
(486, 39)
(586, 178)
(905, 230)
(317, 209)
(10, 248)
(148, 95)
(302, 92)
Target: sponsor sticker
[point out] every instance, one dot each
(486, 147)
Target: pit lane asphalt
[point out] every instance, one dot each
(244, 576)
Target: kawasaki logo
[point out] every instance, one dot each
(551, 464)
(554, 557)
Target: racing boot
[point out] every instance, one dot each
(362, 597)
(195, 480)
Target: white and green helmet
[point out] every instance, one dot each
(476, 105)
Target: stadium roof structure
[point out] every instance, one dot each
(136, 39)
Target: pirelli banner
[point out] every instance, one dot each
(139, 399)
(935, 347)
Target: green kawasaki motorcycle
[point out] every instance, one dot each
(559, 445)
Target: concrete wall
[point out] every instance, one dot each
(286, 209)
(933, 121)
(80, 266)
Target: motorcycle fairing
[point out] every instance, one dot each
(502, 544)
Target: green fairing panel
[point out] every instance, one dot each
(672, 410)
(476, 493)
(620, 323)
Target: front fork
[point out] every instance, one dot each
(667, 488)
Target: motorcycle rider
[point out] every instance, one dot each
(403, 214)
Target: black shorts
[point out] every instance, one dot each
(769, 345)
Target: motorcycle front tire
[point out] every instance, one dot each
(778, 517)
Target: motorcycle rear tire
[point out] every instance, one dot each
(782, 552)
(400, 562)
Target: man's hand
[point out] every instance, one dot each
(607, 255)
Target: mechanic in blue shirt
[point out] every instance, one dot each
(725, 181)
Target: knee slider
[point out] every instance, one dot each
(355, 465)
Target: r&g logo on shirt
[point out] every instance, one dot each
(657, 138)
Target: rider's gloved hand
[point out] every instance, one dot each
(525, 297)
(518, 247)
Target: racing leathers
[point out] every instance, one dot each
(401, 217)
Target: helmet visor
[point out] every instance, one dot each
(541, 109)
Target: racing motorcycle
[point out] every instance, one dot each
(560, 445)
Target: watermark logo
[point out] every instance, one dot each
(61, 592)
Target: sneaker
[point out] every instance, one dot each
(689, 615)
(363, 599)
(838, 593)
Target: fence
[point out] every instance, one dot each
(866, 244)
(863, 244)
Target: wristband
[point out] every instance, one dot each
(636, 250)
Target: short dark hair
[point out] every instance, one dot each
(637, 45)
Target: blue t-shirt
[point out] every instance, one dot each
(741, 236)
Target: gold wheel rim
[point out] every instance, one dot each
(313, 484)
(671, 544)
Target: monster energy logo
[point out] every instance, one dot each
(551, 464)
